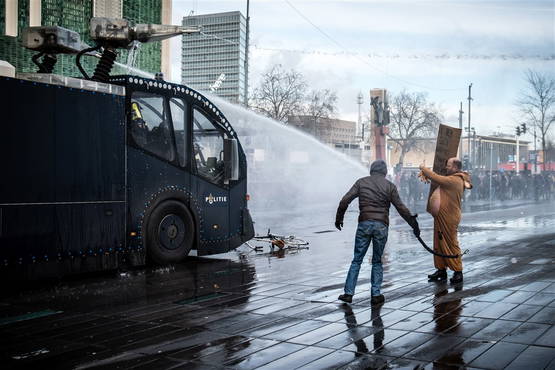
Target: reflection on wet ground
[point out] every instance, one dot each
(246, 310)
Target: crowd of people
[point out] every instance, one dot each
(504, 186)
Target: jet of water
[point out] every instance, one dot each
(286, 167)
(132, 54)
(133, 70)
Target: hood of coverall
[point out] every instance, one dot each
(378, 167)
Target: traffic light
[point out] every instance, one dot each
(523, 128)
(517, 130)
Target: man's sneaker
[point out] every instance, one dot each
(438, 275)
(377, 299)
(457, 277)
(346, 298)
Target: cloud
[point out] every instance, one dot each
(428, 17)
(434, 46)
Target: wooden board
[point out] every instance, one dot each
(447, 146)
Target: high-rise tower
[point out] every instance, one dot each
(215, 60)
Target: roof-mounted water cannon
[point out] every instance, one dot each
(49, 41)
(111, 34)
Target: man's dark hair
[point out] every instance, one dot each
(457, 163)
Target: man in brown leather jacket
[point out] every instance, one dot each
(375, 196)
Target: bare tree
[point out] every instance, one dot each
(280, 93)
(411, 117)
(537, 103)
(321, 103)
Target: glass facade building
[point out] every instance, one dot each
(75, 15)
(215, 59)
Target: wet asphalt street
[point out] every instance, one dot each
(248, 309)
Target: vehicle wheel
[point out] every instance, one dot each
(170, 232)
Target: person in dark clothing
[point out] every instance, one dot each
(413, 188)
(375, 195)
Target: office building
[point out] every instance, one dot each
(215, 59)
(335, 133)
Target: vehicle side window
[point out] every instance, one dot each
(149, 125)
(208, 148)
(179, 113)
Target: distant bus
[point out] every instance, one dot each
(95, 175)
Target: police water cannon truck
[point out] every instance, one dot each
(103, 171)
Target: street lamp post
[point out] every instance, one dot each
(360, 128)
(246, 63)
(480, 155)
(474, 145)
(469, 100)
(517, 159)
(461, 127)
(491, 170)
(536, 154)
(520, 130)
(471, 145)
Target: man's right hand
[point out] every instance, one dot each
(338, 225)
(416, 230)
(415, 226)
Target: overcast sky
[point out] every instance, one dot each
(437, 47)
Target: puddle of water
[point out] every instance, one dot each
(28, 316)
(38, 352)
(542, 261)
(200, 298)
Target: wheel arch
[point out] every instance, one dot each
(181, 195)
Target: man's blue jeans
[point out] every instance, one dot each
(367, 231)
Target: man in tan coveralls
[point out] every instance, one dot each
(445, 207)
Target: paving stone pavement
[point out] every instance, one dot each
(247, 310)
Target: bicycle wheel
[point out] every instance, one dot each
(262, 239)
(295, 242)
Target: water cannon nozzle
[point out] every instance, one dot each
(118, 33)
